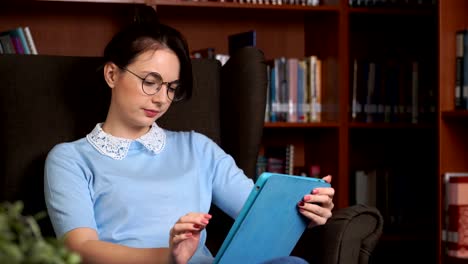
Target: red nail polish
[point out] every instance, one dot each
(196, 226)
(301, 203)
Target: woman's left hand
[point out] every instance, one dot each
(317, 205)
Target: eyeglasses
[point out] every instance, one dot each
(153, 82)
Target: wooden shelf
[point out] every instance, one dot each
(410, 11)
(326, 8)
(407, 237)
(452, 260)
(455, 115)
(302, 125)
(391, 126)
(99, 1)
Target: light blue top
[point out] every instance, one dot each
(133, 191)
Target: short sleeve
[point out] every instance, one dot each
(230, 186)
(66, 190)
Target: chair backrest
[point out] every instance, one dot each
(51, 99)
(349, 237)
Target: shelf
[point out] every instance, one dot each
(452, 260)
(302, 125)
(406, 237)
(455, 115)
(327, 8)
(99, 1)
(391, 126)
(410, 11)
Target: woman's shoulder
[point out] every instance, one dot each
(187, 135)
(67, 148)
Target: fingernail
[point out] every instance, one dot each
(197, 226)
(204, 221)
(301, 203)
(314, 191)
(307, 198)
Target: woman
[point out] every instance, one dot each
(132, 192)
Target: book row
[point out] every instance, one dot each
(277, 159)
(17, 41)
(461, 70)
(455, 214)
(294, 90)
(391, 90)
(270, 2)
(392, 3)
(392, 192)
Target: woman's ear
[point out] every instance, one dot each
(111, 72)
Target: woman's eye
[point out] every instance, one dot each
(150, 83)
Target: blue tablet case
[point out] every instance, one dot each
(269, 225)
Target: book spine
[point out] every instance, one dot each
(20, 33)
(7, 44)
(465, 72)
(30, 40)
(457, 235)
(459, 70)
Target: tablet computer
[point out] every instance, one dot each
(269, 225)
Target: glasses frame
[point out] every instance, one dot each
(168, 84)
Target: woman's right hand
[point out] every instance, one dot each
(185, 236)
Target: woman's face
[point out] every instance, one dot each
(132, 105)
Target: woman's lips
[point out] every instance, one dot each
(150, 113)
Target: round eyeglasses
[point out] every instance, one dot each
(153, 82)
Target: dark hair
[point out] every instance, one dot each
(148, 34)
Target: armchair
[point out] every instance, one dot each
(50, 99)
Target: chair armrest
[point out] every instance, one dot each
(349, 236)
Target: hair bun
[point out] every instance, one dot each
(145, 15)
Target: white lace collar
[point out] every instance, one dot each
(117, 148)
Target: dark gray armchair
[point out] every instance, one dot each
(50, 99)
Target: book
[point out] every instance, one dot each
(240, 40)
(459, 69)
(366, 187)
(206, 53)
(19, 33)
(280, 158)
(455, 224)
(30, 40)
(464, 84)
(7, 43)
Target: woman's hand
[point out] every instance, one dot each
(185, 236)
(317, 205)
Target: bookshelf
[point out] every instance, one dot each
(452, 124)
(338, 34)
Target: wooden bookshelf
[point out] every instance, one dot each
(337, 34)
(453, 125)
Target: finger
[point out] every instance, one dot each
(317, 199)
(326, 191)
(186, 227)
(195, 218)
(181, 237)
(315, 209)
(314, 218)
(327, 178)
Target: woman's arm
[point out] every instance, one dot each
(86, 243)
(183, 241)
